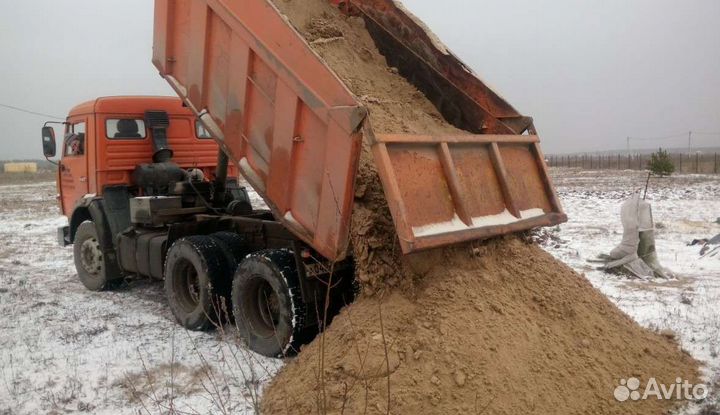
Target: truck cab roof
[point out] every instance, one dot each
(131, 105)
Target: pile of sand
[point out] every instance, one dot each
(496, 327)
(502, 328)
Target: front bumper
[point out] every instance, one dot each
(63, 235)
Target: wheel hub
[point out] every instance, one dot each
(193, 287)
(91, 256)
(188, 288)
(268, 306)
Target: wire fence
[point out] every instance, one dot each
(700, 163)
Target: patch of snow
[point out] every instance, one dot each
(456, 224)
(66, 349)
(502, 218)
(531, 213)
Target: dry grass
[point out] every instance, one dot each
(27, 178)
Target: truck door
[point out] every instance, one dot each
(74, 166)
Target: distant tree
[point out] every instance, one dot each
(660, 163)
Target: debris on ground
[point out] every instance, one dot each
(710, 247)
(636, 255)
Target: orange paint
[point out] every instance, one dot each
(108, 161)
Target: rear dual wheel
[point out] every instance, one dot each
(267, 303)
(196, 282)
(203, 272)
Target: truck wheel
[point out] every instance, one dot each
(234, 247)
(89, 258)
(268, 308)
(194, 269)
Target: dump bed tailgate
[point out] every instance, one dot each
(447, 189)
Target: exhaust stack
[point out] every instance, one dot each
(159, 122)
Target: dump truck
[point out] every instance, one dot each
(294, 131)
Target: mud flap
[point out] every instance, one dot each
(106, 236)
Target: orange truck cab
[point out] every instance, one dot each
(106, 138)
(148, 192)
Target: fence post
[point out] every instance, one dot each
(697, 163)
(715, 165)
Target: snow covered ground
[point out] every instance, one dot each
(685, 207)
(64, 349)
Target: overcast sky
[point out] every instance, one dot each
(591, 72)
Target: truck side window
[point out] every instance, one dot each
(125, 128)
(200, 131)
(75, 140)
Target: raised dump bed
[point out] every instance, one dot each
(295, 130)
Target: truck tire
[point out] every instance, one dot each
(90, 260)
(267, 304)
(234, 247)
(194, 272)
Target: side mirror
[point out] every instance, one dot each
(48, 141)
